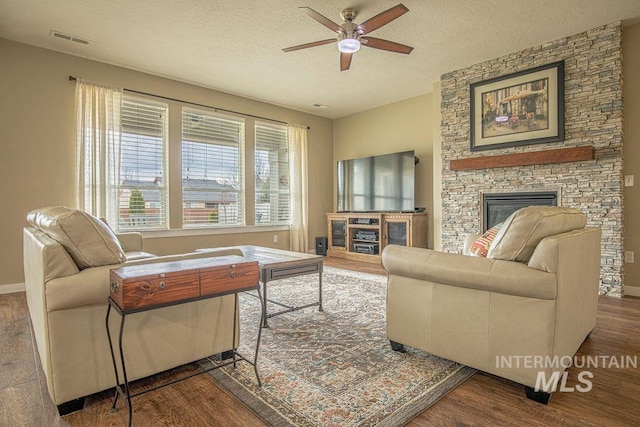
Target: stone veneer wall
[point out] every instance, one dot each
(593, 116)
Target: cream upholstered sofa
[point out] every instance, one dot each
(68, 256)
(515, 313)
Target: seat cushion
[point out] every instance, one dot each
(89, 241)
(525, 228)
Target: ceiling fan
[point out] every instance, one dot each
(351, 35)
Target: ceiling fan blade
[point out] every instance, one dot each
(382, 18)
(306, 45)
(323, 19)
(345, 61)
(385, 45)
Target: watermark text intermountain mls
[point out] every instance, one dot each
(557, 362)
(556, 380)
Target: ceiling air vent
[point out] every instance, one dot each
(63, 36)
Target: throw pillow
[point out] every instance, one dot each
(113, 232)
(526, 227)
(89, 241)
(481, 246)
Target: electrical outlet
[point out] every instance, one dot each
(275, 238)
(629, 257)
(628, 180)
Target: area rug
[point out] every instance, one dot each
(334, 368)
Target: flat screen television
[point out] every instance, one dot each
(384, 183)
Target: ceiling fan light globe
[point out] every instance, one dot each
(349, 45)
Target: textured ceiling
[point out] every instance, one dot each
(235, 46)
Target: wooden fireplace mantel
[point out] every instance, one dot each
(560, 155)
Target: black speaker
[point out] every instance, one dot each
(321, 245)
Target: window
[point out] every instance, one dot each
(272, 175)
(142, 197)
(212, 169)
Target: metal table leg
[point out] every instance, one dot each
(255, 358)
(127, 390)
(320, 291)
(264, 304)
(113, 359)
(237, 356)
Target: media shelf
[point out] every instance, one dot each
(363, 236)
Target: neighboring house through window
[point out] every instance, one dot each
(212, 163)
(271, 175)
(143, 163)
(212, 169)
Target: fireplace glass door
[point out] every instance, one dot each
(498, 206)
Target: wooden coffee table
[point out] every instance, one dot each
(276, 264)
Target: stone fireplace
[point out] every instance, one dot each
(593, 118)
(496, 207)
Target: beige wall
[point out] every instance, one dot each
(405, 125)
(37, 145)
(437, 169)
(631, 107)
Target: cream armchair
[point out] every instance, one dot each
(67, 289)
(535, 295)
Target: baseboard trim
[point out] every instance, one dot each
(632, 291)
(11, 289)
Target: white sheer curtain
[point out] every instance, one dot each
(297, 137)
(98, 149)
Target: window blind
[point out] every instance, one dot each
(272, 175)
(212, 170)
(143, 165)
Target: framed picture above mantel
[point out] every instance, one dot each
(522, 108)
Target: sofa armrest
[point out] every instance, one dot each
(427, 264)
(45, 258)
(131, 242)
(546, 257)
(575, 258)
(505, 277)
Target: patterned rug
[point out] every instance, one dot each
(334, 368)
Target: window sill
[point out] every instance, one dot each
(183, 232)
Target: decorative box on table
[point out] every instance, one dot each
(145, 285)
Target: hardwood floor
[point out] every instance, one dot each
(481, 400)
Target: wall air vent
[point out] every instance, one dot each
(63, 36)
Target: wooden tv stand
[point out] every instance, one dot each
(363, 236)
